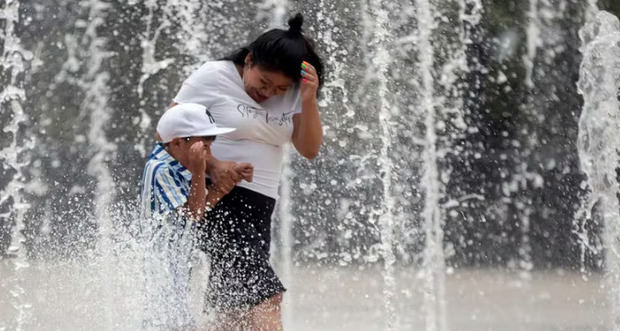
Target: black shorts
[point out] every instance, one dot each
(236, 236)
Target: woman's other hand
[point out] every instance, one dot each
(309, 82)
(307, 131)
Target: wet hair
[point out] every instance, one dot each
(282, 51)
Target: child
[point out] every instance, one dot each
(174, 175)
(174, 197)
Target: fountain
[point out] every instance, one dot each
(599, 127)
(446, 184)
(15, 156)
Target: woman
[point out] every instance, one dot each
(268, 92)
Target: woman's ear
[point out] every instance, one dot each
(248, 59)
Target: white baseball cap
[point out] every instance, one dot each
(188, 120)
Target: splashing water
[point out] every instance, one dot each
(433, 254)
(380, 39)
(443, 106)
(189, 28)
(371, 235)
(12, 97)
(599, 132)
(274, 11)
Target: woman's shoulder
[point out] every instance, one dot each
(218, 65)
(211, 71)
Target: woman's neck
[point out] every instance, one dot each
(239, 69)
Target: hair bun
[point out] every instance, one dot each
(295, 24)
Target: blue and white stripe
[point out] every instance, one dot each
(165, 184)
(168, 241)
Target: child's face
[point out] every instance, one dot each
(179, 148)
(205, 140)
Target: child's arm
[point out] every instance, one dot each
(216, 193)
(197, 200)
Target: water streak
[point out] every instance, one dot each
(12, 98)
(533, 40)
(286, 219)
(184, 17)
(95, 83)
(274, 11)
(380, 40)
(442, 102)
(433, 259)
(599, 138)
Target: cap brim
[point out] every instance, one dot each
(214, 132)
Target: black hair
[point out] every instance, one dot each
(282, 51)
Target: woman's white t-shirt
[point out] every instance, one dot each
(261, 129)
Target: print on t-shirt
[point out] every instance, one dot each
(262, 130)
(247, 111)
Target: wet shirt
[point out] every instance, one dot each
(261, 129)
(165, 188)
(165, 184)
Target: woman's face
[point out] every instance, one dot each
(261, 84)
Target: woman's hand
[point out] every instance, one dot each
(223, 172)
(229, 171)
(307, 131)
(309, 82)
(246, 170)
(224, 176)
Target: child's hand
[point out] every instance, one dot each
(198, 158)
(246, 170)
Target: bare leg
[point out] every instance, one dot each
(266, 316)
(232, 321)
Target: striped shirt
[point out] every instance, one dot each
(165, 184)
(169, 242)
